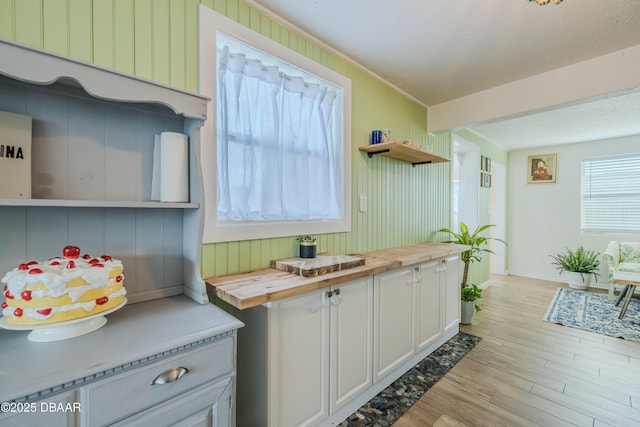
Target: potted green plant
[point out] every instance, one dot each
(308, 245)
(469, 294)
(469, 291)
(579, 266)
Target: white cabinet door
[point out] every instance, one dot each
(351, 340)
(393, 334)
(298, 380)
(429, 310)
(452, 294)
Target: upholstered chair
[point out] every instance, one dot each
(623, 259)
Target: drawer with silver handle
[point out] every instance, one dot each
(132, 391)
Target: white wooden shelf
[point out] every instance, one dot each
(95, 204)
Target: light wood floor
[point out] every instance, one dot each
(529, 372)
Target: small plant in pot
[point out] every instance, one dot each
(469, 291)
(308, 245)
(580, 266)
(469, 294)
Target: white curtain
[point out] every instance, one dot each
(277, 139)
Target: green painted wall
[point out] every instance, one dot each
(157, 40)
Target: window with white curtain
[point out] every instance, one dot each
(610, 199)
(276, 153)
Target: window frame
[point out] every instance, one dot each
(214, 231)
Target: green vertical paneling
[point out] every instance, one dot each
(143, 44)
(123, 23)
(244, 14)
(103, 33)
(210, 4)
(233, 257)
(7, 17)
(161, 41)
(28, 22)
(80, 29)
(56, 26)
(218, 260)
(177, 43)
(157, 39)
(190, 45)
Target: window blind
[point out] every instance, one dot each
(610, 199)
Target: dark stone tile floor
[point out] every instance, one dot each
(394, 401)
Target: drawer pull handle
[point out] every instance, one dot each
(171, 375)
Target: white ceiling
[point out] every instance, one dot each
(439, 50)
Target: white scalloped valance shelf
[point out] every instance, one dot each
(31, 65)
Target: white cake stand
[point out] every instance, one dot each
(63, 330)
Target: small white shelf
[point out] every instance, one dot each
(95, 204)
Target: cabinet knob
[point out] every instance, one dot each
(170, 375)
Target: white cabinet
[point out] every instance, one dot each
(317, 355)
(351, 342)
(429, 310)
(92, 144)
(208, 405)
(437, 301)
(394, 308)
(450, 277)
(414, 307)
(328, 351)
(299, 360)
(163, 362)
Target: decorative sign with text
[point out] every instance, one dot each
(15, 156)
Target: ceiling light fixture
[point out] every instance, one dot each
(543, 2)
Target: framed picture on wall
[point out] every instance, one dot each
(485, 163)
(485, 180)
(542, 168)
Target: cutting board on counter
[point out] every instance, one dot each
(322, 264)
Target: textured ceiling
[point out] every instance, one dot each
(439, 50)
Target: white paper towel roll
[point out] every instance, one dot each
(174, 167)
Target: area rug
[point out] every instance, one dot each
(594, 312)
(394, 401)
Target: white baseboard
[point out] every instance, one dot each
(559, 279)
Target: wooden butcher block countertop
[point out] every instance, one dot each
(414, 254)
(250, 289)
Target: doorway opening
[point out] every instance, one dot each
(465, 191)
(465, 205)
